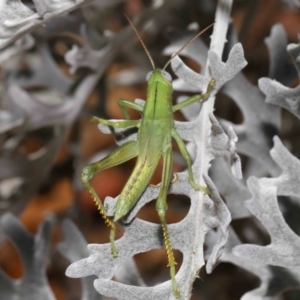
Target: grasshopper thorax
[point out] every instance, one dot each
(159, 96)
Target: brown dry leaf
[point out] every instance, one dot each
(10, 261)
(92, 139)
(57, 200)
(106, 183)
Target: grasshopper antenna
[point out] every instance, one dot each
(186, 44)
(142, 42)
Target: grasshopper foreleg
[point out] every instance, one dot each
(117, 123)
(118, 156)
(123, 103)
(196, 98)
(161, 207)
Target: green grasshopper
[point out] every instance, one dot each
(154, 140)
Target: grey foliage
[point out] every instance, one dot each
(281, 68)
(74, 248)
(272, 280)
(284, 242)
(84, 56)
(16, 49)
(279, 94)
(284, 248)
(253, 133)
(224, 145)
(250, 132)
(33, 251)
(25, 170)
(26, 111)
(293, 3)
(259, 118)
(234, 191)
(16, 19)
(45, 72)
(287, 183)
(261, 271)
(112, 43)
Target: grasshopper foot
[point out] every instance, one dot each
(174, 179)
(173, 279)
(114, 251)
(112, 235)
(201, 188)
(176, 292)
(95, 119)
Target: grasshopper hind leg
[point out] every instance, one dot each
(108, 221)
(161, 207)
(118, 156)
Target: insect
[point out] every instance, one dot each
(154, 141)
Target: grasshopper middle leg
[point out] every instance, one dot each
(187, 157)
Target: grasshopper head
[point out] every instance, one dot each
(159, 75)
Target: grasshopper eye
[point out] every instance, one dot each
(148, 75)
(166, 75)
